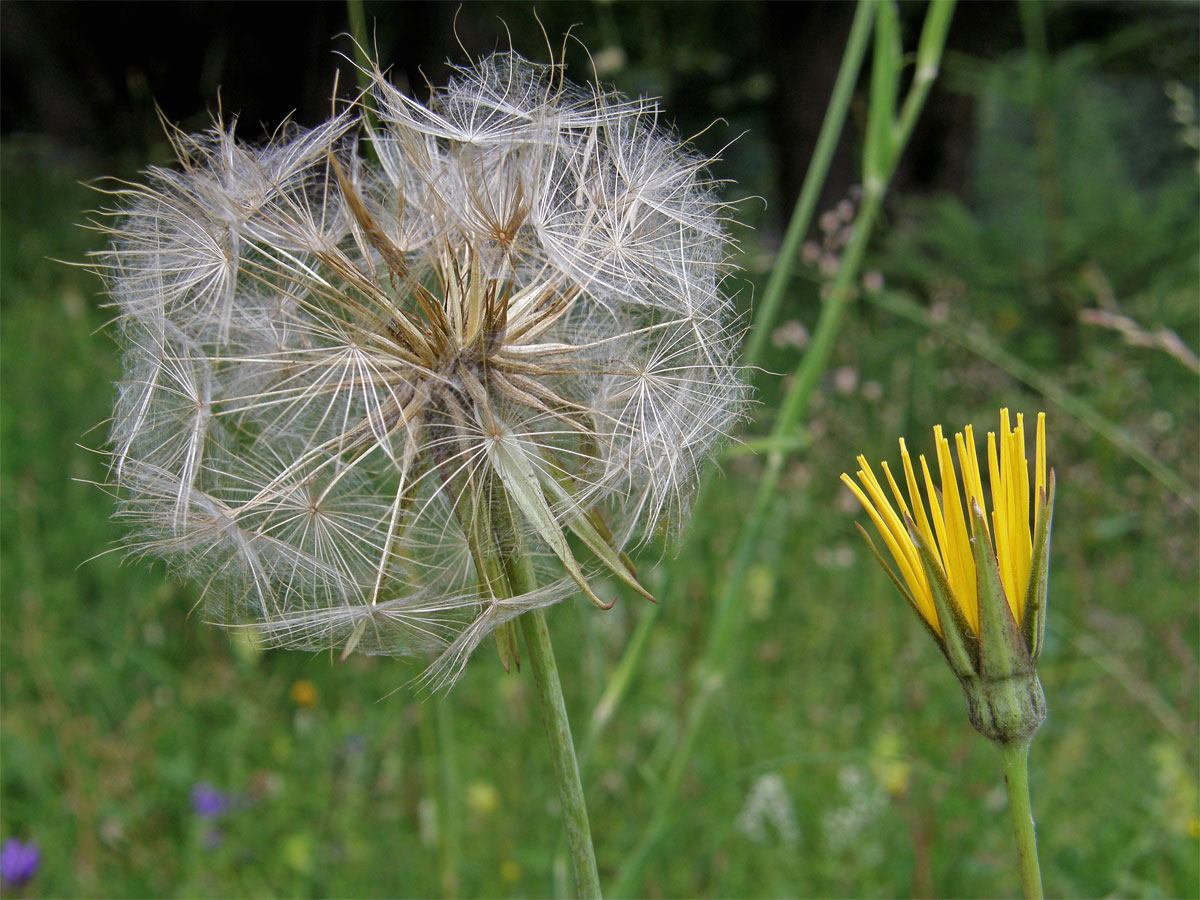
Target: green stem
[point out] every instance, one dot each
(562, 751)
(505, 569)
(710, 672)
(618, 683)
(518, 572)
(358, 31)
(1016, 777)
(443, 720)
(437, 751)
(814, 181)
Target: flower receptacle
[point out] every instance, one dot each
(1005, 710)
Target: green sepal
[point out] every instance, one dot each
(506, 645)
(903, 589)
(960, 643)
(585, 529)
(1006, 710)
(1005, 703)
(1002, 649)
(1033, 621)
(516, 472)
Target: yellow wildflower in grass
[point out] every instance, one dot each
(948, 577)
(979, 585)
(304, 694)
(1013, 543)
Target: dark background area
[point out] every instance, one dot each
(92, 78)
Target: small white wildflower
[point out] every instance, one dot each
(769, 802)
(348, 384)
(866, 802)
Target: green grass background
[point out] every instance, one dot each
(117, 700)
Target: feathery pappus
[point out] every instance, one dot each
(354, 384)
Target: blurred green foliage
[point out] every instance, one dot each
(838, 761)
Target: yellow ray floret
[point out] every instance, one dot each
(947, 526)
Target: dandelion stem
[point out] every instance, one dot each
(562, 750)
(1016, 777)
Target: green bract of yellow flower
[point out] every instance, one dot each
(946, 526)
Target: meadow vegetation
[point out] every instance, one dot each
(835, 759)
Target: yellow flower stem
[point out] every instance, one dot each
(1016, 777)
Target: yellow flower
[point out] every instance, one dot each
(483, 798)
(946, 527)
(983, 600)
(304, 694)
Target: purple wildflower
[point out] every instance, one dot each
(208, 802)
(18, 861)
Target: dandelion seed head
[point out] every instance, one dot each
(346, 381)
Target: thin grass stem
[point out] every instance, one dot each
(437, 757)
(358, 30)
(357, 17)
(810, 192)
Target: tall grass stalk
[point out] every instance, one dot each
(814, 182)
(437, 751)
(887, 134)
(357, 19)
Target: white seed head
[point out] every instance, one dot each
(349, 384)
